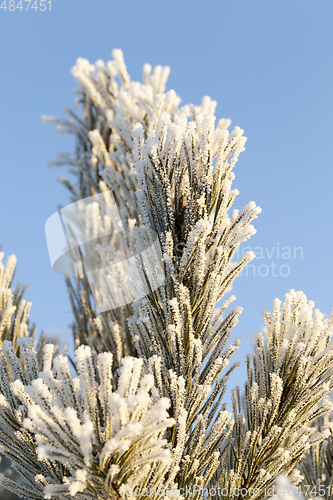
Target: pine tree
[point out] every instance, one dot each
(145, 414)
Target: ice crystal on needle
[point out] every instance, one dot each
(78, 434)
(288, 379)
(146, 408)
(14, 310)
(112, 105)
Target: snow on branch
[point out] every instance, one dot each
(67, 435)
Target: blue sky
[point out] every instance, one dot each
(269, 66)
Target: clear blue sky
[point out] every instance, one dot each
(269, 66)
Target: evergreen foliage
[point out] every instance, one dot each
(144, 414)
